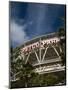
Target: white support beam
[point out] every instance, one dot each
(37, 57)
(27, 58)
(60, 49)
(22, 55)
(44, 53)
(55, 50)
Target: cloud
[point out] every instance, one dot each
(17, 33)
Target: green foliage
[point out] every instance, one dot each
(61, 32)
(51, 79)
(35, 80)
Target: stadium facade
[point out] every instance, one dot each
(43, 53)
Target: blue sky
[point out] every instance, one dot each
(28, 20)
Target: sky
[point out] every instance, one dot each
(29, 20)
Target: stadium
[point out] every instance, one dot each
(43, 53)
